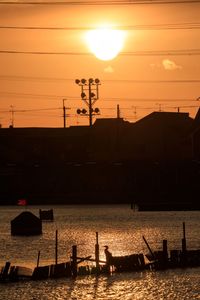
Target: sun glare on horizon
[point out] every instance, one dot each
(105, 43)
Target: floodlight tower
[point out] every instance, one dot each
(89, 86)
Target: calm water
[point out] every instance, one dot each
(120, 228)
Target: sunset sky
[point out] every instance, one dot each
(43, 50)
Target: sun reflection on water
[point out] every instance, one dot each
(172, 285)
(121, 229)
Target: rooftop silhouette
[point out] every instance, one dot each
(150, 161)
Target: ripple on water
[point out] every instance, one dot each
(122, 230)
(172, 285)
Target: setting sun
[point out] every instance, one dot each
(105, 43)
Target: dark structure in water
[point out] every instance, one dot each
(46, 215)
(26, 224)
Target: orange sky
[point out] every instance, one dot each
(140, 84)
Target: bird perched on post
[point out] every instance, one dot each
(108, 255)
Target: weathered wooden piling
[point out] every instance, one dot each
(128, 263)
(74, 261)
(161, 257)
(174, 258)
(151, 252)
(38, 259)
(184, 248)
(41, 273)
(13, 276)
(60, 270)
(165, 253)
(97, 251)
(4, 273)
(56, 248)
(84, 270)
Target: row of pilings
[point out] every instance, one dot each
(154, 260)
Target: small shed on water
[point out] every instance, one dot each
(26, 223)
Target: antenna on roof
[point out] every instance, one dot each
(118, 112)
(12, 116)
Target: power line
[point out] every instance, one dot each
(128, 81)
(102, 108)
(32, 95)
(149, 99)
(152, 81)
(29, 110)
(33, 78)
(162, 52)
(37, 109)
(167, 26)
(101, 3)
(183, 52)
(133, 116)
(43, 52)
(58, 97)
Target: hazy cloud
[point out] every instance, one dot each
(153, 65)
(109, 69)
(167, 64)
(170, 65)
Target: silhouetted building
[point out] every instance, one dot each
(115, 161)
(160, 135)
(194, 137)
(157, 136)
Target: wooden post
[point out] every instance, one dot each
(184, 239)
(184, 247)
(118, 112)
(38, 259)
(149, 247)
(56, 248)
(74, 261)
(97, 251)
(5, 271)
(165, 252)
(184, 230)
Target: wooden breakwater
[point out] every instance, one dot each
(10, 273)
(154, 260)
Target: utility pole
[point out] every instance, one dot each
(118, 112)
(135, 113)
(88, 87)
(12, 116)
(90, 104)
(64, 114)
